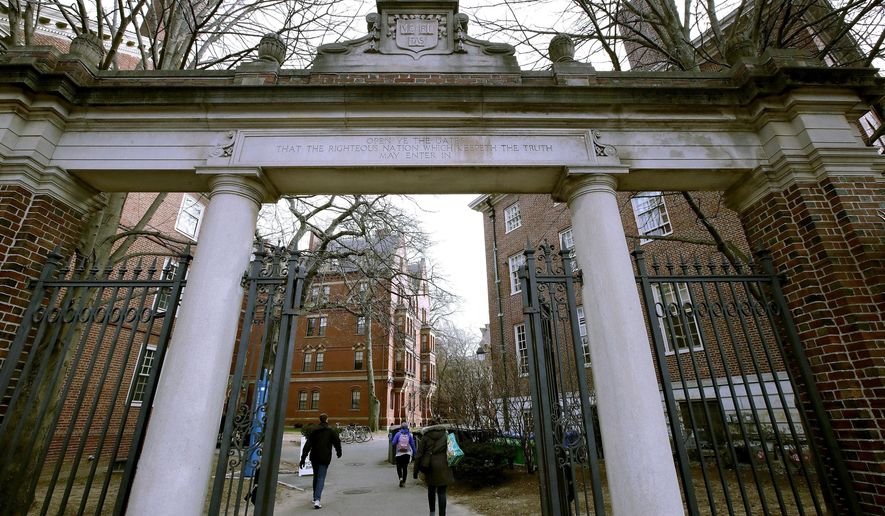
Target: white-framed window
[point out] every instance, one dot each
(321, 360)
(512, 219)
(315, 400)
(514, 263)
(190, 215)
(302, 400)
(142, 373)
(316, 326)
(674, 310)
(355, 399)
(522, 352)
(308, 360)
(358, 357)
(651, 215)
(585, 340)
(361, 325)
(567, 243)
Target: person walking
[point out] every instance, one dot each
(319, 445)
(431, 459)
(403, 447)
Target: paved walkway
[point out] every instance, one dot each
(361, 482)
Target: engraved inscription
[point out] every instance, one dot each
(415, 150)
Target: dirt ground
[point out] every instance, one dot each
(518, 495)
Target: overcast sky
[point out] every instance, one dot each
(458, 252)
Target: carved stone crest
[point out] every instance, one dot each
(416, 32)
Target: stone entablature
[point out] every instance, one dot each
(165, 124)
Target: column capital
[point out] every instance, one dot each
(247, 182)
(577, 181)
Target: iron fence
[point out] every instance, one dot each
(729, 367)
(78, 381)
(725, 350)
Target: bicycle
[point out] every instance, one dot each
(345, 434)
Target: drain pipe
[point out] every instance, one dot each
(504, 397)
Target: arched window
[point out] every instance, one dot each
(315, 400)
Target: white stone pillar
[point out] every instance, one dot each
(173, 472)
(638, 461)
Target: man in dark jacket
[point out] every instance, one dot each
(319, 446)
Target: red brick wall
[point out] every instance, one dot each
(31, 225)
(827, 237)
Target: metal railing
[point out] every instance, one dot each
(78, 381)
(730, 367)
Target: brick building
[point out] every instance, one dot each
(346, 307)
(513, 222)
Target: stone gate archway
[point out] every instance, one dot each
(380, 115)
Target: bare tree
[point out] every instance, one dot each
(693, 35)
(464, 394)
(376, 249)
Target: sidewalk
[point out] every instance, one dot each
(361, 482)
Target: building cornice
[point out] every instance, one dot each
(51, 181)
(480, 204)
(42, 70)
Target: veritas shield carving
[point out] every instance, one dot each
(417, 32)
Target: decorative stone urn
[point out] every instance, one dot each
(272, 48)
(88, 48)
(561, 49)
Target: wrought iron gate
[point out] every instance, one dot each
(556, 355)
(729, 360)
(78, 381)
(251, 434)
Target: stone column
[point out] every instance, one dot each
(639, 464)
(173, 472)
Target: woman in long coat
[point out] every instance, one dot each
(432, 460)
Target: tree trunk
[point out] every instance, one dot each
(374, 404)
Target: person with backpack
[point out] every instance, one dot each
(403, 448)
(432, 460)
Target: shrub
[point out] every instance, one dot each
(483, 463)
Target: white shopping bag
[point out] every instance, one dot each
(308, 467)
